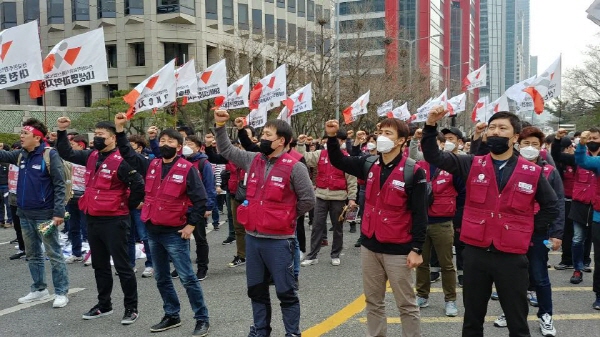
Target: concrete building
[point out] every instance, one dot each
(533, 65)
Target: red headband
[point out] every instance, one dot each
(82, 144)
(35, 131)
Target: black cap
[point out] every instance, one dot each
(565, 142)
(454, 131)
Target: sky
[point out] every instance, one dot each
(561, 26)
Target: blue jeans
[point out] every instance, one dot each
(296, 258)
(138, 228)
(77, 223)
(170, 246)
(215, 214)
(5, 209)
(272, 257)
(33, 247)
(579, 235)
(538, 273)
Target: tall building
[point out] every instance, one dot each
(533, 65)
(524, 19)
(464, 44)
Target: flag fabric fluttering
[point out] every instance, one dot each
(476, 79)
(545, 86)
(400, 112)
(20, 60)
(257, 117)
(237, 95)
(212, 83)
(458, 103)
(270, 90)
(187, 83)
(480, 111)
(298, 102)
(155, 92)
(359, 107)
(385, 108)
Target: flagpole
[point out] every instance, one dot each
(45, 111)
(108, 102)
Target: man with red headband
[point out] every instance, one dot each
(40, 198)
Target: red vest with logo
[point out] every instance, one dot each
(272, 203)
(236, 175)
(166, 201)
(569, 181)
(105, 194)
(295, 154)
(329, 177)
(386, 213)
(426, 167)
(504, 220)
(547, 169)
(584, 185)
(444, 196)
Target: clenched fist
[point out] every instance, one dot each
(152, 132)
(63, 123)
(239, 123)
(221, 116)
(435, 115)
(302, 139)
(120, 121)
(332, 127)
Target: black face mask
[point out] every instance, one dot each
(167, 152)
(497, 145)
(99, 143)
(593, 146)
(265, 146)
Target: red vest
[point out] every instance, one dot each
(386, 213)
(584, 186)
(504, 220)
(105, 194)
(295, 154)
(236, 175)
(569, 181)
(166, 201)
(272, 203)
(547, 169)
(329, 177)
(444, 196)
(426, 167)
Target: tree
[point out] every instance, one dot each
(582, 91)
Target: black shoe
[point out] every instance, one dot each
(216, 228)
(237, 261)
(174, 274)
(460, 281)
(228, 241)
(586, 268)
(563, 266)
(358, 242)
(353, 227)
(96, 312)
(201, 274)
(17, 256)
(331, 229)
(435, 276)
(166, 323)
(130, 316)
(13, 241)
(201, 329)
(577, 277)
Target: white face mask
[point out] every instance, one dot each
(576, 141)
(449, 146)
(530, 152)
(343, 146)
(460, 147)
(384, 144)
(371, 146)
(325, 146)
(187, 151)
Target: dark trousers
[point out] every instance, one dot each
(596, 240)
(567, 241)
(77, 224)
(334, 209)
(300, 234)
(201, 246)
(17, 224)
(539, 280)
(459, 247)
(231, 234)
(510, 274)
(107, 237)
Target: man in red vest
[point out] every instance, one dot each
(112, 188)
(278, 188)
(498, 220)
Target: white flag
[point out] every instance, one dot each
(400, 112)
(20, 60)
(187, 84)
(298, 102)
(476, 79)
(212, 82)
(458, 103)
(257, 117)
(155, 92)
(237, 95)
(359, 107)
(480, 111)
(385, 108)
(422, 112)
(548, 83)
(270, 90)
(500, 104)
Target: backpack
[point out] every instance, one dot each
(67, 171)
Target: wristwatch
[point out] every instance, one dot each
(417, 250)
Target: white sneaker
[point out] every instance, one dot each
(336, 261)
(547, 326)
(451, 309)
(148, 272)
(500, 322)
(73, 259)
(60, 301)
(306, 263)
(35, 296)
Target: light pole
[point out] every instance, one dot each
(337, 63)
(410, 52)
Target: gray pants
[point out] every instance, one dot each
(319, 228)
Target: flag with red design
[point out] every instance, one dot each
(237, 95)
(500, 104)
(476, 79)
(187, 83)
(480, 111)
(269, 91)
(458, 103)
(385, 108)
(20, 60)
(75, 61)
(422, 112)
(400, 112)
(545, 86)
(257, 117)
(155, 92)
(212, 83)
(359, 107)
(298, 102)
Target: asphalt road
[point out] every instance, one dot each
(330, 301)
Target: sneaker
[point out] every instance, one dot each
(331, 229)
(148, 272)
(451, 309)
(35, 296)
(87, 260)
(130, 316)
(460, 281)
(324, 243)
(422, 302)
(237, 261)
(14, 241)
(531, 296)
(500, 322)
(166, 323)
(596, 304)
(96, 312)
(216, 227)
(494, 296)
(586, 268)
(563, 266)
(335, 261)
(60, 301)
(435, 276)
(174, 274)
(17, 255)
(201, 329)
(547, 326)
(353, 227)
(307, 263)
(358, 243)
(577, 277)
(201, 274)
(73, 259)
(228, 241)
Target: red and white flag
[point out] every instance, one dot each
(545, 86)
(359, 107)
(257, 117)
(237, 95)
(458, 103)
(422, 112)
(155, 92)
(385, 108)
(20, 60)
(269, 91)
(500, 104)
(187, 83)
(476, 79)
(480, 111)
(212, 83)
(298, 102)
(400, 112)
(75, 61)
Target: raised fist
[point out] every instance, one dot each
(332, 127)
(63, 123)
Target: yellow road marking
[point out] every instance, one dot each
(554, 289)
(337, 319)
(563, 317)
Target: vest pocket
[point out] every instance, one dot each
(478, 192)
(276, 219)
(242, 215)
(394, 228)
(516, 236)
(521, 200)
(473, 229)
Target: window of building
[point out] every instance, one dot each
(256, 21)
(113, 88)
(87, 95)
(292, 6)
(212, 10)
(16, 95)
(39, 101)
(281, 3)
(327, 16)
(269, 1)
(56, 11)
(177, 6)
(107, 9)
(178, 51)
(301, 8)
(319, 12)
(310, 10)
(9, 14)
(301, 38)
(291, 34)
(80, 10)
(281, 32)
(62, 97)
(367, 25)
(134, 7)
(353, 7)
(269, 26)
(243, 16)
(31, 10)
(138, 54)
(310, 40)
(228, 12)
(111, 55)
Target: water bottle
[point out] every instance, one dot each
(245, 203)
(548, 244)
